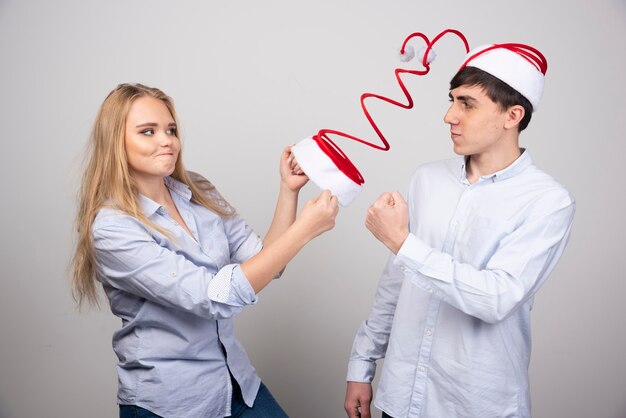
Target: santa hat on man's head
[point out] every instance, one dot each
(520, 66)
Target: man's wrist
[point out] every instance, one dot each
(398, 242)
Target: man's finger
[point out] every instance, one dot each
(397, 197)
(365, 410)
(353, 412)
(382, 201)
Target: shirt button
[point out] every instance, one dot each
(173, 274)
(422, 369)
(429, 332)
(402, 268)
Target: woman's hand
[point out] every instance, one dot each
(318, 215)
(291, 175)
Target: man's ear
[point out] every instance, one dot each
(514, 116)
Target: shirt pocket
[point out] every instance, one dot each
(482, 239)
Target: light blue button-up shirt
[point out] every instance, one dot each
(451, 314)
(176, 297)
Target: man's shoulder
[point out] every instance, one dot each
(450, 166)
(539, 182)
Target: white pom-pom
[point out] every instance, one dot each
(431, 55)
(409, 53)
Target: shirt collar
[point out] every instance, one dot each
(519, 165)
(178, 187)
(149, 206)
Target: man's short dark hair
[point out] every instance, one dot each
(498, 91)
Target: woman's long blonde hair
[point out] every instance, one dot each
(107, 181)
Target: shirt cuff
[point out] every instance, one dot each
(413, 253)
(230, 286)
(361, 371)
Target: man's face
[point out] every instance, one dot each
(476, 122)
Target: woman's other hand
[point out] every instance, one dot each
(291, 175)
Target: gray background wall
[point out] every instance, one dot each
(249, 77)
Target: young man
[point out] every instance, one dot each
(475, 239)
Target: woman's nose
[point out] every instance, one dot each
(165, 139)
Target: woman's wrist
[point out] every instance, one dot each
(300, 233)
(288, 191)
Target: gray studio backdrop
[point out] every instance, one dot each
(249, 77)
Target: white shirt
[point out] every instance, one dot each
(451, 314)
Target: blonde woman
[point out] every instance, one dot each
(177, 263)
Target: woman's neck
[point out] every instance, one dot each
(153, 188)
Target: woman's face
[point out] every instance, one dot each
(151, 140)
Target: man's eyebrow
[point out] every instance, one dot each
(466, 99)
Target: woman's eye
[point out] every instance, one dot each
(171, 131)
(147, 132)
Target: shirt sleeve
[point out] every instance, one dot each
(520, 264)
(244, 242)
(370, 342)
(130, 259)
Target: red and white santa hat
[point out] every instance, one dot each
(323, 171)
(520, 66)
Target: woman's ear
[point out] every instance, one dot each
(514, 115)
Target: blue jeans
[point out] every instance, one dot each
(265, 406)
(132, 411)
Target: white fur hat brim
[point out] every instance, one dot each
(323, 172)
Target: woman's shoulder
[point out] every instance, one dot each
(109, 216)
(210, 192)
(203, 185)
(200, 180)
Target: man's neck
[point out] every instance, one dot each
(484, 164)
